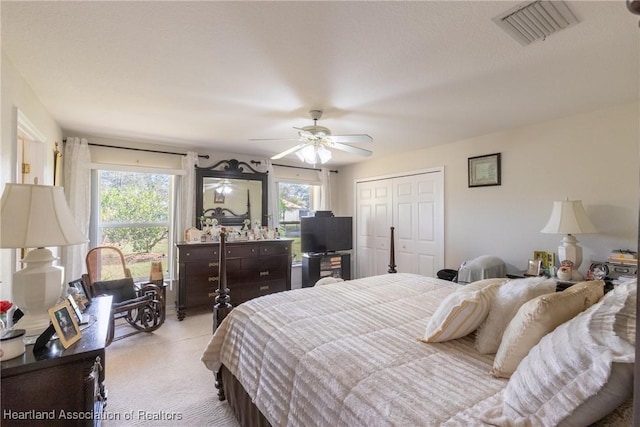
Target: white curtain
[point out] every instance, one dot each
(272, 193)
(77, 188)
(325, 189)
(186, 202)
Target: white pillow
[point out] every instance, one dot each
(461, 312)
(538, 317)
(505, 305)
(574, 363)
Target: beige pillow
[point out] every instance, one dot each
(461, 312)
(538, 317)
(573, 365)
(504, 307)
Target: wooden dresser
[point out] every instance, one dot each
(254, 268)
(61, 387)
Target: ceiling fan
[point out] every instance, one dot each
(315, 141)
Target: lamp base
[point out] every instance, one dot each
(570, 250)
(36, 288)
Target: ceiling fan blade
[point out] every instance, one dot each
(351, 149)
(353, 139)
(289, 151)
(273, 139)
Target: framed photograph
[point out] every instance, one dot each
(218, 197)
(484, 170)
(535, 266)
(76, 310)
(65, 324)
(548, 258)
(79, 289)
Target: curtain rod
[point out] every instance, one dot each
(258, 162)
(204, 156)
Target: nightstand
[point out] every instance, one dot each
(62, 387)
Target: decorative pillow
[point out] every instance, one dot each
(614, 393)
(505, 305)
(574, 363)
(121, 289)
(461, 312)
(328, 281)
(539, 316)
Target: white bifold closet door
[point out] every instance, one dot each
(412, 203)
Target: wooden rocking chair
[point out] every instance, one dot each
(142, 306)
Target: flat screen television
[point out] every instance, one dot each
(321, 234)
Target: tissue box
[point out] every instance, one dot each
(192, 235)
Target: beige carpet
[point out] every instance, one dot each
(158, 379)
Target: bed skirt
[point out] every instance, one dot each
(243, 408)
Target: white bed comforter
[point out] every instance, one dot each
(347, 354)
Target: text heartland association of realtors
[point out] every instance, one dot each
(53, 414)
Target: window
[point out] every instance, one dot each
(296, 200)
(132, 211)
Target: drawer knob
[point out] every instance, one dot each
(213, 279)
(264, 288)
(264, 273)
(213, 264)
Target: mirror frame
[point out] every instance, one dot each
(233, 169)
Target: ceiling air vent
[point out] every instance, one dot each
(536, 21)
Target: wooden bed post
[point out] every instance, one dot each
(392, 253)
(222, 307)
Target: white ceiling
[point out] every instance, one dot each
(215, 74)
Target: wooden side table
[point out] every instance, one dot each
(61, 387)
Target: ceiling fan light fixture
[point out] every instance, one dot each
(309, 154)
(316, 142)
(300, 155)
(324, 154)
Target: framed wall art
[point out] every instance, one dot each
(484, 170)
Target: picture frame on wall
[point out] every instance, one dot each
(218, 197)
(485, 170)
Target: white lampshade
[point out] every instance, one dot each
(568, 217)
(37, 216)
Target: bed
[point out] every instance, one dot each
(353, 354)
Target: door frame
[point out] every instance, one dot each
(435, 169)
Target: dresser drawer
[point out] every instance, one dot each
(201, 292)
(241, 251)
(244, 293)
(273, 249)
(201, 269)
(199, 253)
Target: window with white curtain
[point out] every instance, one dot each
(134, 212)
(296, 200)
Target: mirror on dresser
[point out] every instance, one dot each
(231, 191)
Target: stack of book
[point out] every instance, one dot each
(622, 256)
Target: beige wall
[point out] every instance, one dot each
(592, 157)
(17, 94)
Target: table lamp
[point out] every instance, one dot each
(568, 217)
(36, 216)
